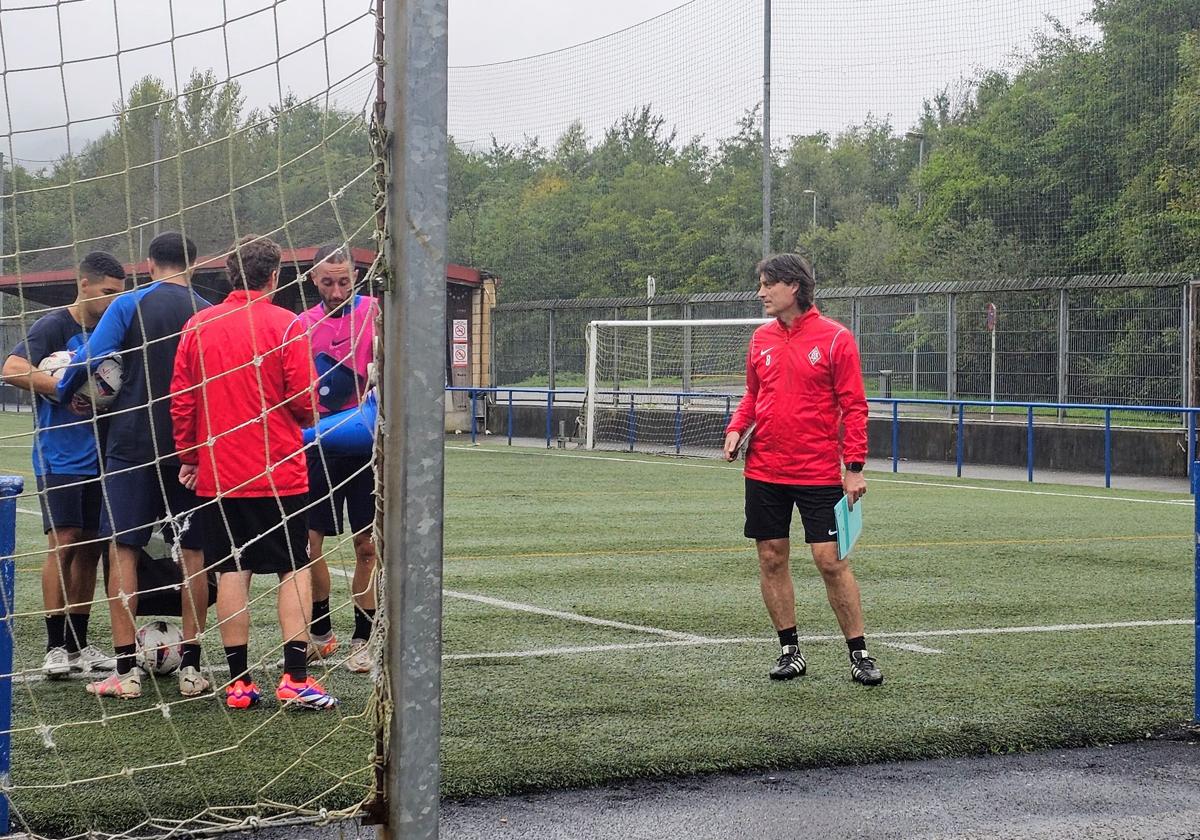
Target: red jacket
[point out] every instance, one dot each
(239, 420)
(802, 384)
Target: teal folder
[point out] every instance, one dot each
(849, 524)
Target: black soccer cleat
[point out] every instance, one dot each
(863, 669)
(790, 665)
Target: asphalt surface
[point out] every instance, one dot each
(1149, 790)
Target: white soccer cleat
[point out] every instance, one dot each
(91, 658)
(56, 663)
(125, 686)
(360, 660)
(191, 682)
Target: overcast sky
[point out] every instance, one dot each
(697, 63)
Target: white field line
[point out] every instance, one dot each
(702, 466)
(29, 512)
(763, 640)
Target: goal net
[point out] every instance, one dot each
(175, 140)
(665, 386)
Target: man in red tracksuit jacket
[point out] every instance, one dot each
(803, 382)
(242, 388)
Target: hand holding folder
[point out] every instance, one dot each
(849, 524)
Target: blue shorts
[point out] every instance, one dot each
(134, 503)
(353, 482)
(69, 501)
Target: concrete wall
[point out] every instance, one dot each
(1076, 448)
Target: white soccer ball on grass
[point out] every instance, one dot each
(159, 647)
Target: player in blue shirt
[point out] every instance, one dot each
(141, 470)
(67, 468)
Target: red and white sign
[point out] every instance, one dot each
(460, 329)
(991, 317)
(458, 355)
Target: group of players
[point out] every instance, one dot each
(204, 437)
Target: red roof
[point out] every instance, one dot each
(362, 257)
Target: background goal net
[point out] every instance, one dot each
(664, 386)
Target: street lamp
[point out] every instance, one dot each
(919, 136)
(813, 193)
(141, 229)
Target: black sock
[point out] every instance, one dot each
(77, 635)
(191, 657)
(789, 637)
(857, 643)
(295, 660)
(321, 625)
(56, 630)
(238, 658)
(125, 658)
(364, 620)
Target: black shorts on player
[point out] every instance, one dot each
(269, 533)
(353, 482)
(134, 502)
(70, 501)
(769, 510)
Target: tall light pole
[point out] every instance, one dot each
(919, 136)
(813, 193)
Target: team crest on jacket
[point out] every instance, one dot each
(814, 356)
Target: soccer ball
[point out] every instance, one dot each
(102, 386)
(159, 647)
(56, 363)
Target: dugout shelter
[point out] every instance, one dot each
(470, 298)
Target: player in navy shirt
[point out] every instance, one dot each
(141, 470)
(67, 467)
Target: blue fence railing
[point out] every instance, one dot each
(504, 399)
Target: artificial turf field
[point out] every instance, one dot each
(602, 620)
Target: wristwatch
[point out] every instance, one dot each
(854, 466)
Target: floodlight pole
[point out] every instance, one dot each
(412, 401)
(766, 146)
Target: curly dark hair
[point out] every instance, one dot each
(252, 261)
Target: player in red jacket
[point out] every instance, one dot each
(803, 384)
(242, 389)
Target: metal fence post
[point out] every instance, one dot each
(550, 361)
(1064, 337)
(1185, 345)
(951, 346)
(412, 409)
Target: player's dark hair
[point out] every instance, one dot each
(97, 265)
(794, 270)
(252, 262)
(330, 254)
(173, 250)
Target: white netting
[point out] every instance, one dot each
(664, 386)
(122, 120)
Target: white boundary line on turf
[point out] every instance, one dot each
(673, 463)
(762, 640)
(688, 638)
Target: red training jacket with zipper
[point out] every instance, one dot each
(241, 390)
(802, 385)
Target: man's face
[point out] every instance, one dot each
(777, 298)
(335, 284)
(96, 295)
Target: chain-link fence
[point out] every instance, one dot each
(1120, 340)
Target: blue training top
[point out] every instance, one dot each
(63, 442)
(144, 327)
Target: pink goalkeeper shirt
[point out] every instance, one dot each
(342, 348)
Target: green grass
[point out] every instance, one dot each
(656, 542)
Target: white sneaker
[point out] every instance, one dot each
(56, 663)
(91, 658)
(360, 660)
(192, 682)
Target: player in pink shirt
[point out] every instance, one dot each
(341, 330)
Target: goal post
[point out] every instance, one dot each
(664, 385)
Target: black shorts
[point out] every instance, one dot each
(70, 501)
(769, 510)
(352, 480)
(134, 503)
(269, 533)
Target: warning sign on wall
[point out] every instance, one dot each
(460, 329)
(458, 356)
